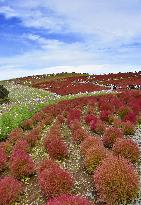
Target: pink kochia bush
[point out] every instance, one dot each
(116, 181)
(68, 200)
(127, 148)
(10, 189)
(110, 136)
(55, 181)
(88, 143)
(56, 147)
(21, 164)
(3, 159)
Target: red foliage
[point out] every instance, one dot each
(79, 135)
(116, 181)
(128, 128)
(100, 127)
(27, 124)
(56, 147)
(123, 111)
(47, 164)
(38, 116)
(130, 117)
(54, 182)
(15, 135)
(104, 115)
(74, 114)
(90, 142)
(94, 157)
(21, 164)
(21, 145)
(110, 136)
(68, 200)
(89, 118)
(32, 136)
(3, 159)
(10, 189)
(127, 148)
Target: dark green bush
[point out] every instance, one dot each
(3, 92)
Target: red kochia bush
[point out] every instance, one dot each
(3, 159)
(110, 136)
(27, 124)
(68, 200)
(21, 145)
(128, 128)
(79, 135)
(100, 127)
(90, 142)
(21, 164)
(47, 164)
(32, 137)
(54, 182)
(116, 181)
(89, 118)
(127, 148)
(104, 115)
(123, 111)
(15, 135)
(10, 189)
(74, 114)
(130, 117)
(56, 147)
(94, 157)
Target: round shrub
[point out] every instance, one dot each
(47, 164)
(110, 136)
(54, 182)
(116, 181)
(68, 200)
(90, 142)
(94, 157)
(3, 159)
(131, 117)
(123, 111)
(56, 147)
(79, 135)
(100, 127)
(32, 137)
(21, 145)
(27, 124)
(21, 164)
(127, 148)
(14, 135)
(89, 118)
(128, 128)
(104, 115)
(10, 189)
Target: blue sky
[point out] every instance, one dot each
(50, 36)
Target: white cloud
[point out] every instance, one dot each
(109, 19)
